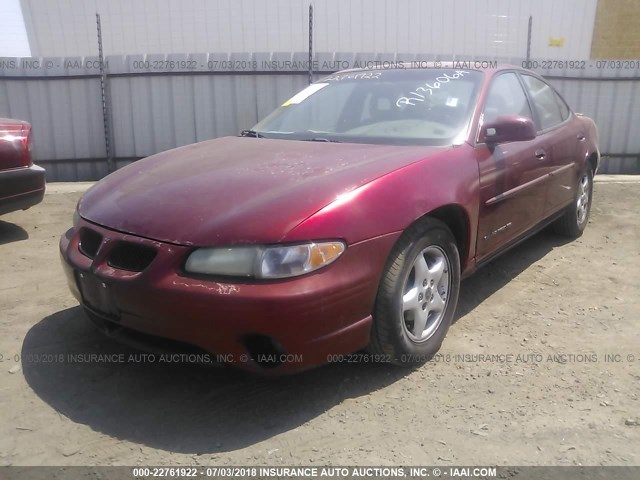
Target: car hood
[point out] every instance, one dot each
(236, 190)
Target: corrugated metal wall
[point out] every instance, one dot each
(155, 110)
(614, 105)
(152, 114)
(455, 27)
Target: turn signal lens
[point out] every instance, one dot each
(325, 253)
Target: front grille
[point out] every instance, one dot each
(90, 241)
(131, 256)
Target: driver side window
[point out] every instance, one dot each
(506, 97)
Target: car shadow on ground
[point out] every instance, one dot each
(10, 232)
(499, 272)
(180, 408)
(202, 410)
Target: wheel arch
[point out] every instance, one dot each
(456, 218)
(593, 161)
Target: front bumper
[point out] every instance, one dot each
(21, 188)
(306, 318)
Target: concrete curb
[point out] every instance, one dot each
(68, 187)
(605, 178)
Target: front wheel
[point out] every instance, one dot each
(418, 294)
(576, 216)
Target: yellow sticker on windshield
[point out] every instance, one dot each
(304, 94)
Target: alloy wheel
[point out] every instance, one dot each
(425, 294)
(582, 204)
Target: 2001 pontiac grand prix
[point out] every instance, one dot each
(344, 220)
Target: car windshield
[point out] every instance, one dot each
(399, 107)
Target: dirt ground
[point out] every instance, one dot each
(551, 310)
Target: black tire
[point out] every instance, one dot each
(570, 224)
(390, 334)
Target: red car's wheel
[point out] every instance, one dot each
(576, 216)
(418, 294)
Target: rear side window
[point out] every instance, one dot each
(550, 108)
(506, 97)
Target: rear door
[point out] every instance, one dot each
(512, 175)
(560, 137)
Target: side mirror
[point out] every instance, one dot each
(508, 128)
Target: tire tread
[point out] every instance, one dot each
(382, 335)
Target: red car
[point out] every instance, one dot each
(22, 183)
(344, 220)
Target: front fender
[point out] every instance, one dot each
(393, 202)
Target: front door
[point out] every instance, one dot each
(512, 175)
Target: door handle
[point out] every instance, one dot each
(540, 154)
(581, 137)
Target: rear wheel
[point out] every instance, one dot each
(417, 295)
(576, 216)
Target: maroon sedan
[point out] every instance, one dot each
(22, 183)
(344, 220)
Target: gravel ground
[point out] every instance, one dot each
(551, 310)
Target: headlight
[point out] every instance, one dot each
(279, 261)
(76, 218)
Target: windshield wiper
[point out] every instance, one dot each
(251, 133)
